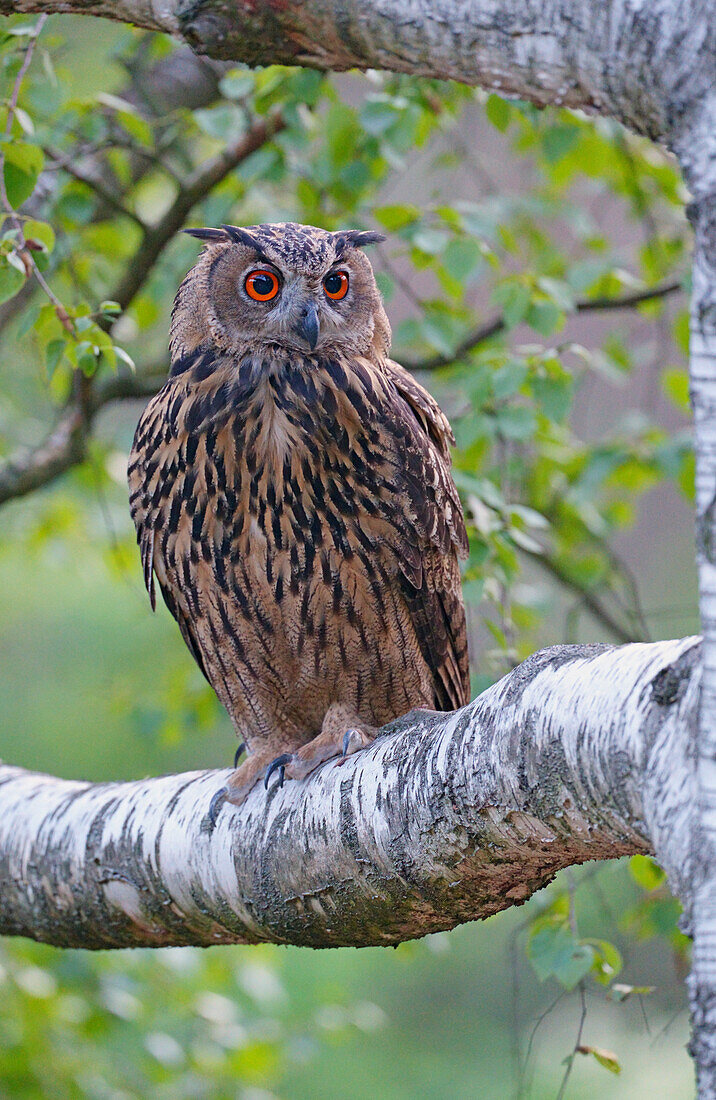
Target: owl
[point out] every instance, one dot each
(293, 500)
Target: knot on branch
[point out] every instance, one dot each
(256, 34)
(669, 685)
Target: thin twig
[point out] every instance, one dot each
(590, 601)
(533, 1034)
(12, 108)
(577, 1044)
(587, 305)
(67, 164)
(65, 447)
(23, 252)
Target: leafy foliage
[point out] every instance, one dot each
(488, 284)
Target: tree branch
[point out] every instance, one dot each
(566, 52)
(192, 191)
(589, 599)
(579, 753)
(103, 192)
(65, 447)
(587, 305)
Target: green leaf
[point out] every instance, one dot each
(687, 477)
(53, 353)
(236, 84)
(675, 383)
(554, 395)
(378, 115)
(26, 123)
(646, 872)
(226, 121)
(508, 379)
(516, 422)
(41, 232)
(430, 241)
(515, 298)
(498, 111)
(620, 992)
(545, 317)
(23, 164)
(607, 961)
(555, 953)
(112, 309)
(558, 141)
(125, 357)
(397, 216)
(604, 1057)
(10, 281)
(462, 256)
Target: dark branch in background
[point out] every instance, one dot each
(66, 445)
(497, 325)
(191, 191)
(102, 190)
(587, 598)
(179, 80)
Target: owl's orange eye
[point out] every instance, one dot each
(335, 284)
(261, 285)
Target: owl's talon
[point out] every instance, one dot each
(279, 764)
(353, 741)
(216, 803)
(238, 753)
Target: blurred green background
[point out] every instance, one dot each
(574, 461)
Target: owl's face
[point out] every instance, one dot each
(290, 285)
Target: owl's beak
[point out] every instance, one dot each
(308, 326)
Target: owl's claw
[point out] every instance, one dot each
(238, 753)
(279, 764)
(353, 741)
(216, 803)
(350, 737)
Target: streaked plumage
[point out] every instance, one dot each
(296, 506)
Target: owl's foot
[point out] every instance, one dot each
(241, 781)
(341, 735)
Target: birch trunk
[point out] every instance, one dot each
(697, 151)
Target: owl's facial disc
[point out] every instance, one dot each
(311, 293)
(301, 310)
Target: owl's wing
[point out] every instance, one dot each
(154, 458)
(434, 537)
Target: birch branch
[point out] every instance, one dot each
(579, 753)
(642, 63)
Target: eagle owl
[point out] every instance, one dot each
(292, 494)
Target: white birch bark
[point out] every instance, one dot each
(696, 147)
(582, 752)
(644, 62)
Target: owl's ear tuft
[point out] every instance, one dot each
(357, 238)
(241, 236)
(206, 234)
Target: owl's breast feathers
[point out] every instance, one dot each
(310, 499)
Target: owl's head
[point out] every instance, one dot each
(287, 285)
